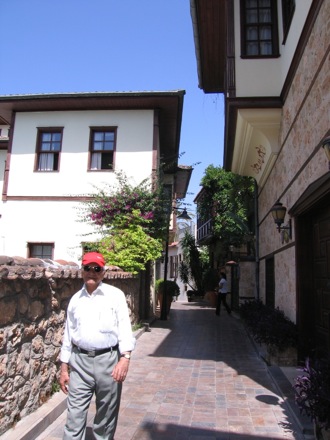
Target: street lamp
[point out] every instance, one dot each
(183, 216)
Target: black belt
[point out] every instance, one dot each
(93, 353)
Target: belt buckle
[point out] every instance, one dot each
(91, 353)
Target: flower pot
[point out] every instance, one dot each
(211, 298)
(190, 295)
(168, 302)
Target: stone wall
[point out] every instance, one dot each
(305, 121)
(34, 295)
(247, 276)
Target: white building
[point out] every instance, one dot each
(62, 147)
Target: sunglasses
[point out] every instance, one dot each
(94, 268)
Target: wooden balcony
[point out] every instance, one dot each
(204, 231)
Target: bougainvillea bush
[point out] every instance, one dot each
(112, 204)
(132, 220)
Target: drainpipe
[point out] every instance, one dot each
(256, 215)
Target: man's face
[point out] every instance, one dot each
(92, 274)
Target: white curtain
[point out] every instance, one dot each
(96, 161)
(265, 16)
(46, 162)
(266, 48)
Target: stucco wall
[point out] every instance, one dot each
(247, 287)
(133, 154)
(55, 222)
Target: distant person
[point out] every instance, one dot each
(222, 294)
(95, 353)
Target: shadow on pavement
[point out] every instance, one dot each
(155, 431)
(197, 334)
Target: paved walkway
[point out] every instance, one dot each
(197, 376)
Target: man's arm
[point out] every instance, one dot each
(64, 377)
(65, 355)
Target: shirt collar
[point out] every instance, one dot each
(97, 291)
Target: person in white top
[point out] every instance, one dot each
(95, 353)
(222, 294)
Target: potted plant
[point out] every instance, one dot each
(171, 288)
(312, 395)
(190, 295)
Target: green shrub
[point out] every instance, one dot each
(55, 387)
(172, 288)
(268, 325)
(312, 391)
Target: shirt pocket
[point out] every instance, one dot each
(108, 321)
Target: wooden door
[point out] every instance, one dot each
(321, 279)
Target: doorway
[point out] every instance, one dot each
(313, 280)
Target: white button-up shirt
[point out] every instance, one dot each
(96, 321)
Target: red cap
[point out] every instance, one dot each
(93, 257)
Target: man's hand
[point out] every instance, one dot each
(64, 378)
(121, 369)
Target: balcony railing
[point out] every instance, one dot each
(204, 231)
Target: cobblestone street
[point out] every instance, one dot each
(197, 376)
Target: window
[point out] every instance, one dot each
(102, 148)
(174, 266)
(288, 8)
(49, 145)
(41, 250)
(259, 33)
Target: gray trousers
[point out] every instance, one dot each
(90, 375)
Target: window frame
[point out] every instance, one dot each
(31, 244)
(92, 151)
(274, 31)
(56, 154)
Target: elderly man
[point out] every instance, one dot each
(95, 353)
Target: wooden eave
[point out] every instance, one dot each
(4, 144)
(210, 30)
(182, 179)
(169, 104)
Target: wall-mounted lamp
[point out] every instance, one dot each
(326, 148)
(278, 212)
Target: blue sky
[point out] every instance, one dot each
(51, 46)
